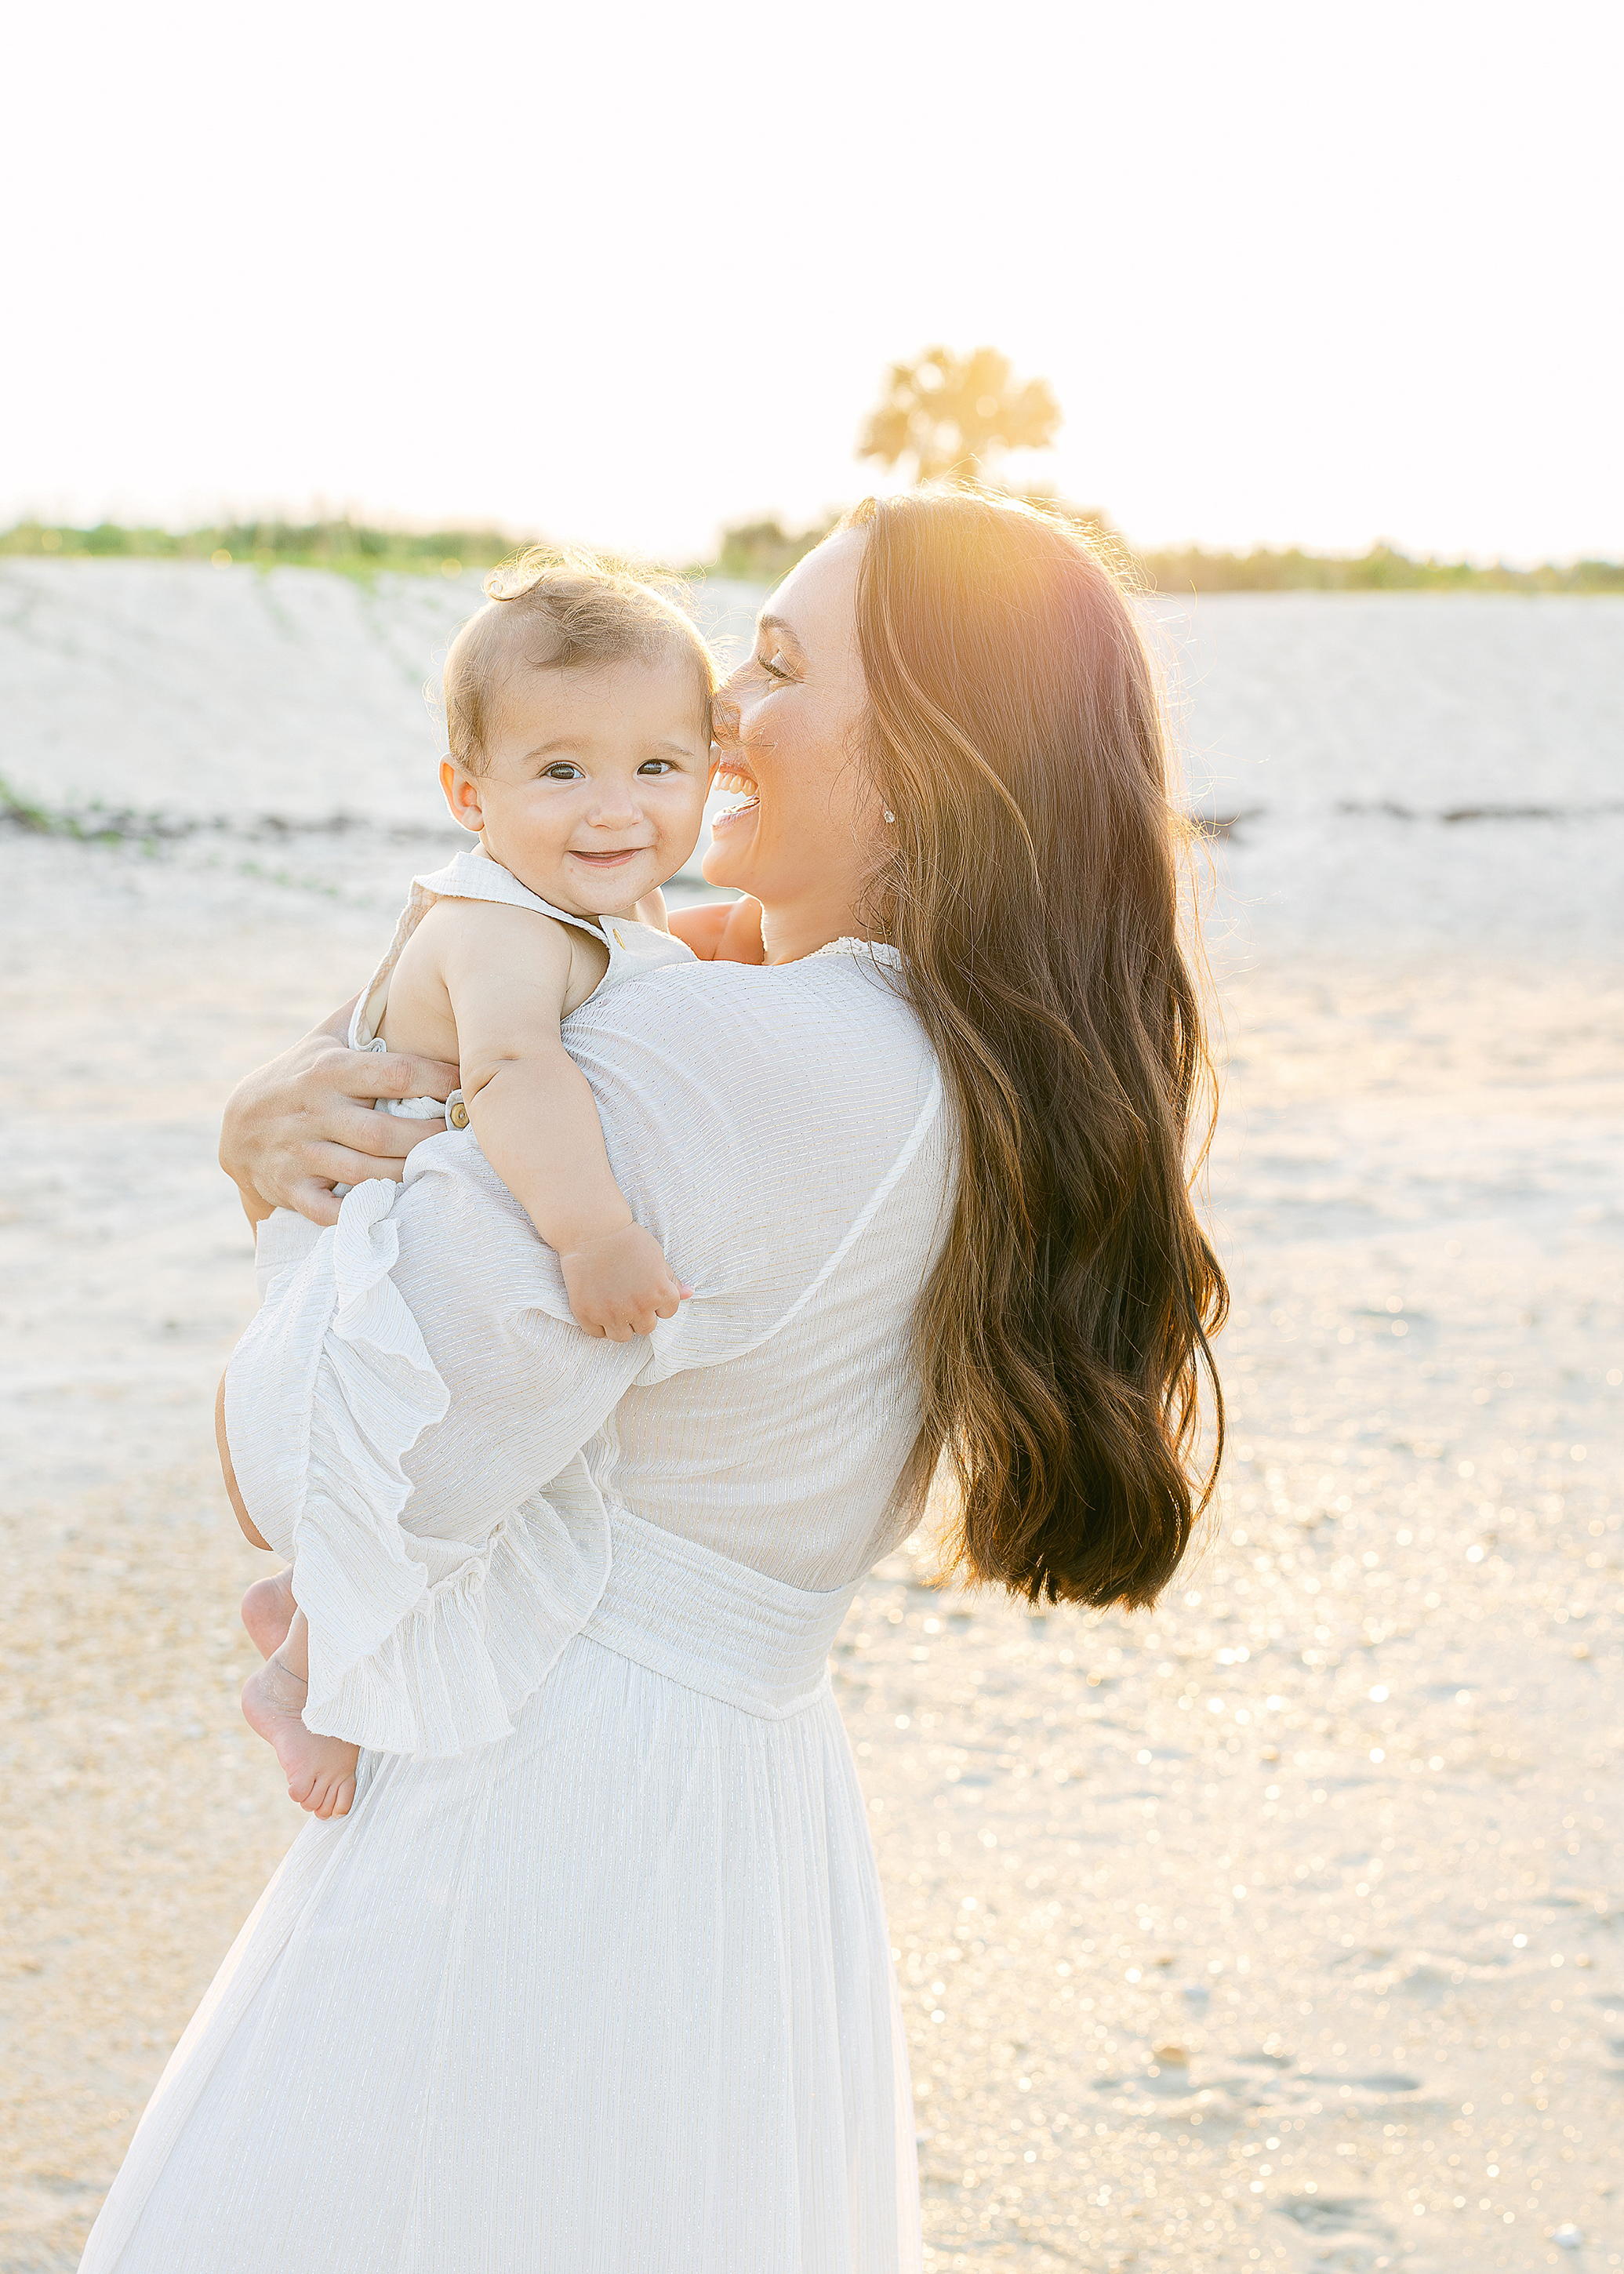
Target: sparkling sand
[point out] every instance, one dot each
(1281, 1928)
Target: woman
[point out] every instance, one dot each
(595, 1976)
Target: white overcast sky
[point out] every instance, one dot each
(622, 274)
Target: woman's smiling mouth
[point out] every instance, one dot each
(743, 785)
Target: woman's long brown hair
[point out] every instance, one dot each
(1033, 888)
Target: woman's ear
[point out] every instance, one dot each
(462, 796)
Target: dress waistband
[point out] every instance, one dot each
(714, 1625)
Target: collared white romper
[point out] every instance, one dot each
(594, 1977)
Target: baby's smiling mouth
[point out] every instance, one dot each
(617, 853)
(743, 785)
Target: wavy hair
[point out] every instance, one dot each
(1032, 883)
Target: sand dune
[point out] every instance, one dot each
(200, 695)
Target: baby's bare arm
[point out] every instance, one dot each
(507, 972)
(534, 1115)
(510, 983)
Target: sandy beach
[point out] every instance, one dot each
(1283, 1928)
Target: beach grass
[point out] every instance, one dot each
(348, 547)
(1383, 568)
(762, 551)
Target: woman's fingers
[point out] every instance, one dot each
(313, 1200)
(382, 1136)
(393, 1073)
(341, 1164)
(306, 1122)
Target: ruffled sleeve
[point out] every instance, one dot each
(433, 1612)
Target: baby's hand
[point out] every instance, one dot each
(621, 1284)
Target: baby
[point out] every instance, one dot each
(578, 717)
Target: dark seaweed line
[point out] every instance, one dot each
(1225, 825)
(1457, 813)
(96, 825)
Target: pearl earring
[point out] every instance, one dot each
(889, 816)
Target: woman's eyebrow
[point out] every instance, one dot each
(777, 624)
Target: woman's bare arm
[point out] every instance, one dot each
(721, 932)
(295, 1128)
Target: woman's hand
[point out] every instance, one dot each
(304, 1123)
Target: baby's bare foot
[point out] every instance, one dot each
(320, 1771)
(268, 1611)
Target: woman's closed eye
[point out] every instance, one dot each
(773, 664)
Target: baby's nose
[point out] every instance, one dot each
(615, 804)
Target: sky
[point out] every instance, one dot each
(1297, 274)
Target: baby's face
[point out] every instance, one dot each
(596, 783)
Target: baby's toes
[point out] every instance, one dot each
(337, 1796)
(302, 1786)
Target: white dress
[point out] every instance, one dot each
(594, 1977)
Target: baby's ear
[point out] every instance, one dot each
(461, 792)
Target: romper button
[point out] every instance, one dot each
(457, 1113)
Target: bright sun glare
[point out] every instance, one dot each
(1294, 275)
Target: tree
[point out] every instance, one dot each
(764, 551)
(951, 414)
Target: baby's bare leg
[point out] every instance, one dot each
(320, 1771)
(267, 1611)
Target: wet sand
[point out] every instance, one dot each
(1281, 1928)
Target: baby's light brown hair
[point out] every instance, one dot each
(550, 612)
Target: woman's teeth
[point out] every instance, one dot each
(742, 786)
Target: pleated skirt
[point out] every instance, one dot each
(612, 1996)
